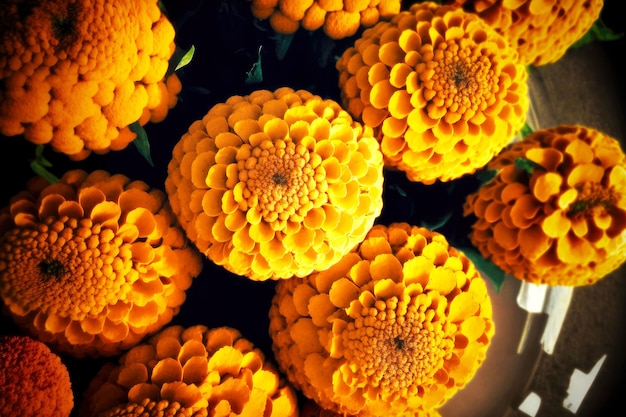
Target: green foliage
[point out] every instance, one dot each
(40, 165)
(527, 165)
(179, 59)
(598, 32)
(487, 268)
(141, 141)
(255, 75)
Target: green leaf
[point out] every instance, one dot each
(282, 45)
(485, 175)
(141, 141)
(162, 8)
(598, 32)
(40, 165)
(527, 165)
(438, 223)
(255, 75)
(526, 130)
(487, 268)
(186, 58)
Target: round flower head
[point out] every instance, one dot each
(94, 262)
(194, 371)
(337, 18)
(555, 213)
(312, 409)
(33, 380)
(276, 184)
(76, 74)
(443, 91)
(395, 328)
(541, 30)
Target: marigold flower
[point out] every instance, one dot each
(562, 223)
(443, 91)
(33, 380)
(193, 371)
(338, 19)
(541, 30)
(311, 409)
(395, 328)
(93, 263)
(76, 74)
(276, 184)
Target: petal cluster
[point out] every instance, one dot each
(76, 74)
(555, 213)
(193, 371)
(337, 18)
(541, 30)
(276, 184)
(395, 328)
(94, 262)
(33, 380)
(443, 90)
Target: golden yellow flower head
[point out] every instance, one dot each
(443, 91)
(337, 18)
(276, 184)
(395, 328)
(555, 213)
(193, 371)
(33, 380)
(76, 74)
(541, 30)
(311, 409)
(93, 263)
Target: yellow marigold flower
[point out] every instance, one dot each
(443, 91)
(555, 213)
(337, 18)
(541, 30)
(33, 380)
(76, 74)
(276, 184)
(151, 408)
(93, 263)
(312, 409)
(395, 328)
(193, 371)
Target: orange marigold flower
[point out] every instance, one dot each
(312, 409)
(443, 91)
(93, 263)
(555, 213)
(33, 380)
(76, 74)
(338, 19)
(541, 30)
(395, 328)
(194, 371)
(276, 184)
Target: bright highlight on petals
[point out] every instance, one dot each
(396, 327)
(190, 372)
(276, 184)
(94, 263)
(443, 90)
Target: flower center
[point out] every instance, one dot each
(64, 25)
(281, 181)
(397, 346)
(50, 267)
(461, 81)
(592, 196)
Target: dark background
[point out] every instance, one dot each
(227, 41)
